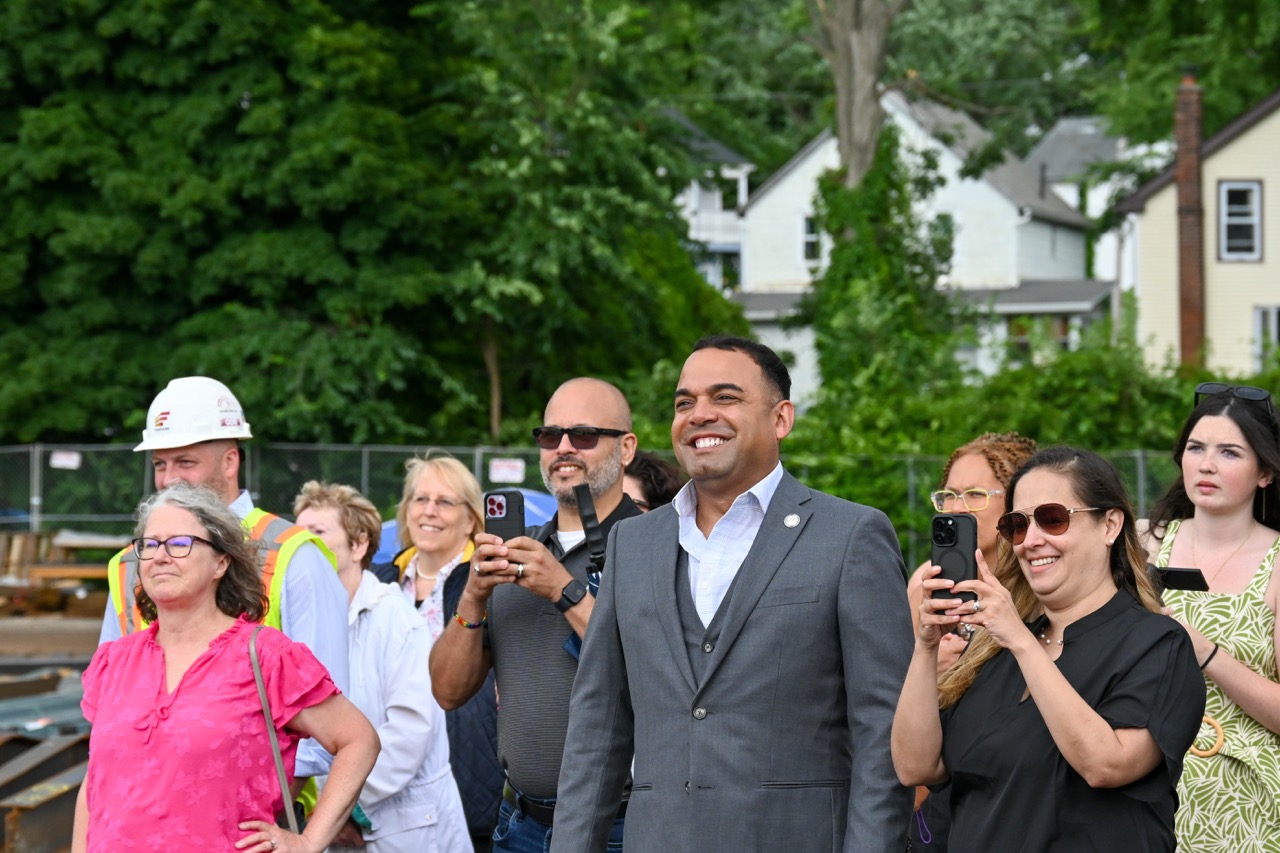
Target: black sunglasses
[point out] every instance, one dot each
(1053, 519)
(582, 438)
(1244, 392)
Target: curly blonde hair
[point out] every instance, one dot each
(1005, 452)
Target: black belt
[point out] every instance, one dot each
(543, 813)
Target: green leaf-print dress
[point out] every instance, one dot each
(1229, 800)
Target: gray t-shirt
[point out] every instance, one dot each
(526, 635)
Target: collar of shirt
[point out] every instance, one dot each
(242, 505)
(686, 500)
(714, 560)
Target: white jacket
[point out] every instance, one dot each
(410, 795)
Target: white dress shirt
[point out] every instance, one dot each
(714, 560)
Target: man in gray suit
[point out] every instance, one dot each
(747, 646)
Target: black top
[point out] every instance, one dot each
(1011, 788)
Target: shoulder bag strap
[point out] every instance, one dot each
(271, 731)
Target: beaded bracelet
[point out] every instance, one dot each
(472, 625)
(1206, 660)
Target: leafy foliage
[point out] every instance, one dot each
(1015, 65)
(356, 215)
(1140, 48)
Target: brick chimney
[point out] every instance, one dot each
(1186, 131)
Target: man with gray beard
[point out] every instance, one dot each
(527, 603)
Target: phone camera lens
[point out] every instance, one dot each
(944, 531)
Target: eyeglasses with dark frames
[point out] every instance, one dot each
(973, 500)
(176, 546)
(581, 437)
(1053, 519)
(1244, 392)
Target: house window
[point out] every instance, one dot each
(1240, 220)
(812, 242)
(1022, 331)
(1266, 335)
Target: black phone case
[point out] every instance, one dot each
(955, 557)
(504, 513)
(1175, 578)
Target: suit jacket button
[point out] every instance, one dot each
(707, 647)
(699, 713)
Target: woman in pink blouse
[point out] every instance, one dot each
(179, 757)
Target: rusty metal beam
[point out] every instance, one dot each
(41, 761)
(39, 818)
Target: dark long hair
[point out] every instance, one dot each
(1257, 421)
(239, 591)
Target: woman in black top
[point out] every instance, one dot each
(1064, 725)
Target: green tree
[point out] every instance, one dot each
(884, 331)
(1014, 65)
(1142, 46)
(355, 215)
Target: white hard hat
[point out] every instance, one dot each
(190, 410)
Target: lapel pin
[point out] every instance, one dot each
(791, 520)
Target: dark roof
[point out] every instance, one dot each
(703, 145)
(1071, 146)
(958, 131)
(1137, 202)
(1076, 296)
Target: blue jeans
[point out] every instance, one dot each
(519, 833)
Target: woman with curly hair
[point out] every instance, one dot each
(179, 755)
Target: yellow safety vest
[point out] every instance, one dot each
(282, 538)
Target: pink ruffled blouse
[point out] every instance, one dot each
(181, 770)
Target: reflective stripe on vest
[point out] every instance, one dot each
(281, 537)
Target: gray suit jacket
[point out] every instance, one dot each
(784, 746)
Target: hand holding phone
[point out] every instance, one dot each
(504, 513)
(955, 542)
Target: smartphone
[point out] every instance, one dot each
(1191, 579)
(504, 513)
(955, 539)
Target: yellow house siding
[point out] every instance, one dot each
(1233, 289)
(1158, 312)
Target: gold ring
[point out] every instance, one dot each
(1217, 744)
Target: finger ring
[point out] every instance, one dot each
(476, 568)
(519, 570)
(273, 843)
(977, 605)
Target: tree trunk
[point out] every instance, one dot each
(489, 347)
(852, 35)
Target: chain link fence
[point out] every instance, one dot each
(95, 487)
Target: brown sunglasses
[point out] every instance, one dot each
(1053, 519)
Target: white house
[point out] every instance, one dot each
(1019, 250)
(715, 228)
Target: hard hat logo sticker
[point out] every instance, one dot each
(232, 422)
(161, 420)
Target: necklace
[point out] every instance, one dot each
(1047, 641)
(424, 575)
(1223, 565)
